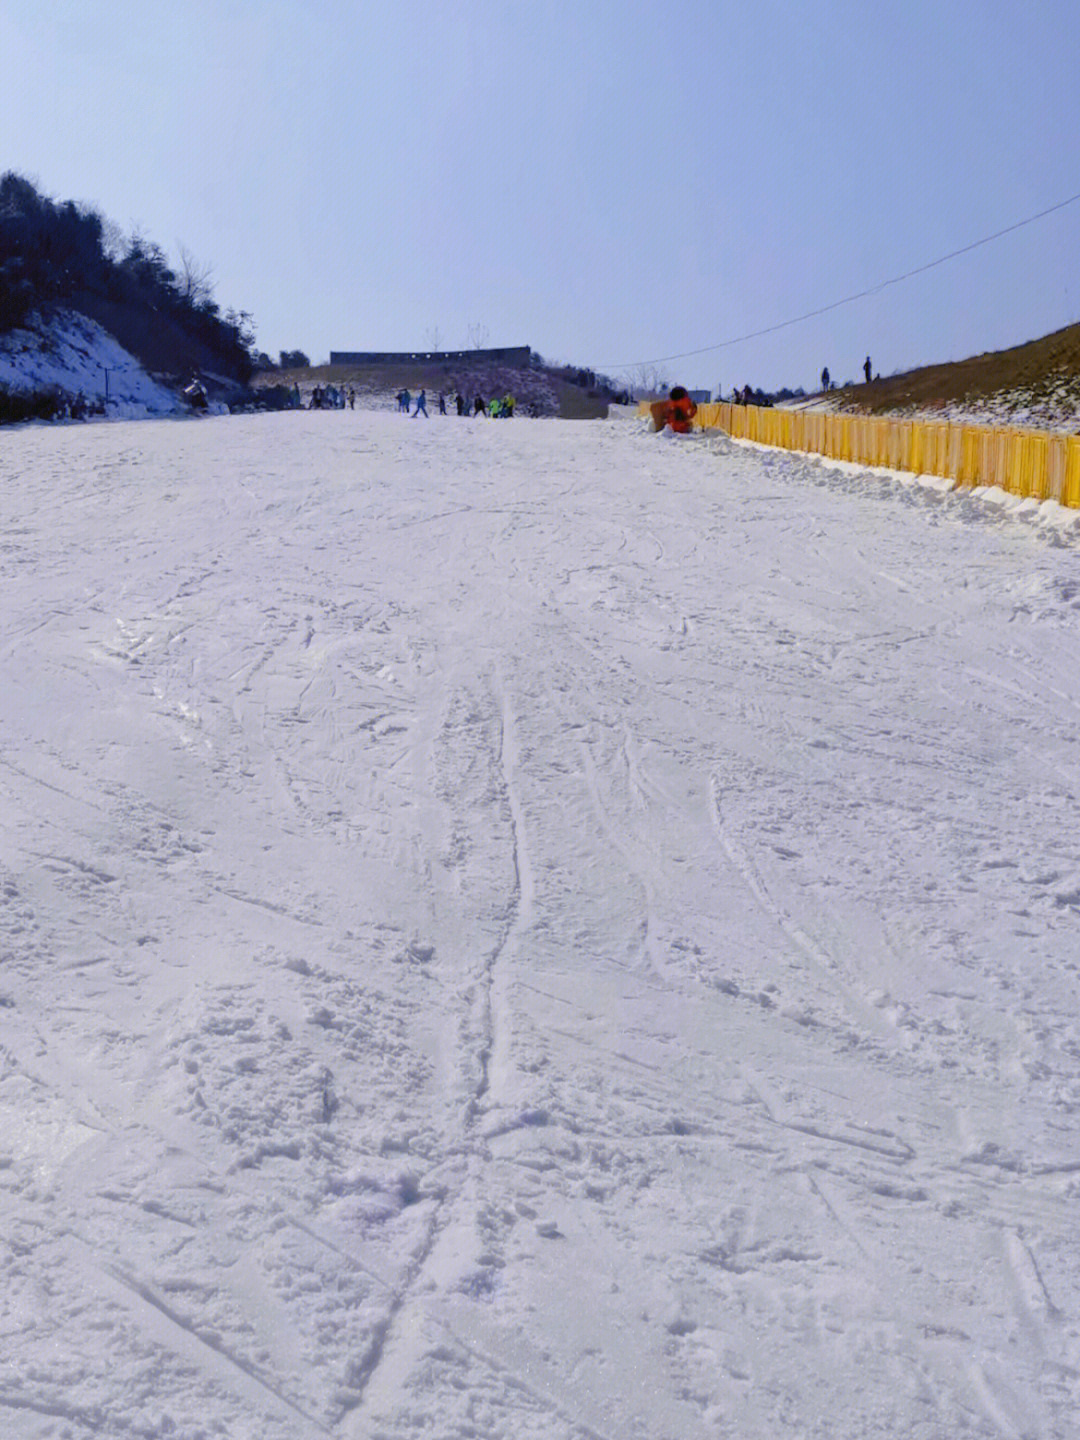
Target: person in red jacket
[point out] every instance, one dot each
(680, 410)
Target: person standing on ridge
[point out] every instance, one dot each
(867, 369)
(825, 378)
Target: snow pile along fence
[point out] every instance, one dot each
(1031, 463)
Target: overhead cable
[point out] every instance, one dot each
(848, 299)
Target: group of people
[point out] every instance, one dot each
(329, 397)
(332, 397)
(497, 409)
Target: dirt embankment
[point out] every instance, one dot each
(1038, 381)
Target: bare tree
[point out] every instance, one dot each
(243, 323)
(194, 280)
(112, 240)
(434, 340)
(478, 336)
(647, 381)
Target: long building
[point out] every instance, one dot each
(519, 357)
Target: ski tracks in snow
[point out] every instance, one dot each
(529, 931)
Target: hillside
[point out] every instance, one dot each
(60, 259)
(67, 357)
(1037, 383)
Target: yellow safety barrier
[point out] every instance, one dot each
(1034, 464)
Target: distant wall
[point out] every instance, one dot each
(517, 356)
(1035, 464)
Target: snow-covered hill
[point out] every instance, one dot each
(72, 353)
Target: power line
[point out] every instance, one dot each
(848, 299)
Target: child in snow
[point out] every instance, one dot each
(679, 410)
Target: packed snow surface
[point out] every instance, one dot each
(531, 930)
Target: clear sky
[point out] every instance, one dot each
(608, 182)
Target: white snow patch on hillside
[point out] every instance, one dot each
(1055, 409)
(75, 354)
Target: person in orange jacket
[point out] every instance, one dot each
(680, 410)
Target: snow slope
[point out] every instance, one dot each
(77, 355)
(531, 930)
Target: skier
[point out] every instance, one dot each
(421, 404)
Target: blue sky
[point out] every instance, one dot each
(610, 183)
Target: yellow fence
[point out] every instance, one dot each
(1031, 463)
